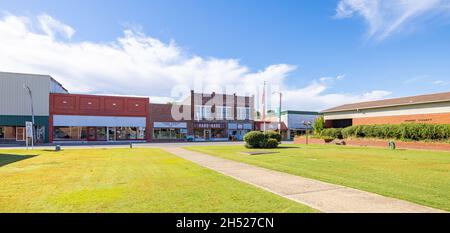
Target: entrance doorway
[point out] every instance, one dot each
(207, 134)
(92, 134)
(20, 133)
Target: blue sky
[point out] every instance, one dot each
(347, 50)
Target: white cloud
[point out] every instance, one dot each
(52, 26)
(136, 64)
(441, 83)
(386, 17)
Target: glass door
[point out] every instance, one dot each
(207, 134)
(111, 133)
(101, 134)
(92, 134)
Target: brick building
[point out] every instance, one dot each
(78, 118)
(431, 108)
(202, 117)
(164, 127)
(220, 116)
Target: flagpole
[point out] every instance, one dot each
(264, 107)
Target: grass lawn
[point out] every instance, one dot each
(422, 177)
(124, 180)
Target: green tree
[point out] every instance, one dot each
(319, 125)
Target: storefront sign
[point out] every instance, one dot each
(174, 125)
(209, 125)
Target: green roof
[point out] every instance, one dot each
(300, 112)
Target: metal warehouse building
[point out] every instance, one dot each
(15, 105)
(432, 109)
(292, 123)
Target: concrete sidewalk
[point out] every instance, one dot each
(322, 196)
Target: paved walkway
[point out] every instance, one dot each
(322, 196)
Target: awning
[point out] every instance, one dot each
(98, 121)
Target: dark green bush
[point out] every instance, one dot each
(253, 139)
(332, 133)
(271, 143)
(406, 131)
(257, 139)
(274, 135)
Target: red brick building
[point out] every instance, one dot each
(163, 126)
(432, 109)
(203, 117)
(75, 118)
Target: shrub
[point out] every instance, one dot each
(274, 135)
(257, 139)
(405, 131)
(253, 139)
(332, 133)
(271, 143)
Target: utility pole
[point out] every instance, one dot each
(32, 113)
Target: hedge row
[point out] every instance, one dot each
(406, 131)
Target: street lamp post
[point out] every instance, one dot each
(307, 124)
(32, 111)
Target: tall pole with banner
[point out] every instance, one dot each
(32, 115)
(29, 133)
(264, 107)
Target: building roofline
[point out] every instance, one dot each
(300, 112)
(379, 103)
(107, 95)
(37, 75)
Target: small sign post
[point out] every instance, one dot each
(29, 133)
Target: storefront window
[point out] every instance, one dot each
(70, 133)
(130, 133)
(111, 133)
(218, 133)
(7, 132)
(169, 133)
(101, 134)
(199, 133)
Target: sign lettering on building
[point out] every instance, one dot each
(209, 125)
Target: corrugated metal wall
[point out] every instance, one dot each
(14, 99)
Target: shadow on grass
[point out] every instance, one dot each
(6, 159)
(288, 147)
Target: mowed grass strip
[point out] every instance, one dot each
(422, 177)
(124, 180)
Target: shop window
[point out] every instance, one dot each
(218, 133)
(69, 133)
(130, 133)
(111, 133)
(8, 132)
(169, 133)
(101, 134)
(198, 133)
